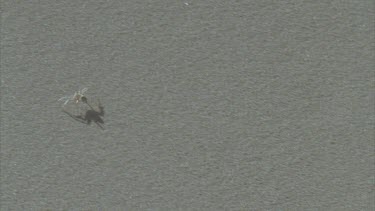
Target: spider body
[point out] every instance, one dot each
(78, 96)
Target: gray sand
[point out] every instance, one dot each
(267, 105)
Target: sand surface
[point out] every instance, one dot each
(209, 105)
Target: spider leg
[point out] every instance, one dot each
(66, 98)
(83, 91)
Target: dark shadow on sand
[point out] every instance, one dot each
(91, 115)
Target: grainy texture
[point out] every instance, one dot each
(210, 105)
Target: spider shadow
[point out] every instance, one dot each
(91, 115)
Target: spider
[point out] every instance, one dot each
(78, 96)
(91, 115)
